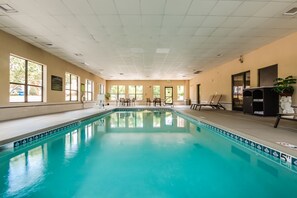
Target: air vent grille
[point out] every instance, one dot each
(291, 12)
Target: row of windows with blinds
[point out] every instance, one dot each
(27, 80)
(136, 91)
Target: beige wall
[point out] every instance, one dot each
(218, 79)
(54, 66)
(148, 87)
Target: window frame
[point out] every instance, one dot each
(70, 84)
(179, 94)
(134, 94)
(155, 96)
(26, 83)
(117, 93)
(87, 91)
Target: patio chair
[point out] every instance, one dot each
(148, 101)
(194, 106)
(285, 116)
(122, 101)
(157, 101)
(215, 103)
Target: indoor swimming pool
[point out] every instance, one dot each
(144, 153)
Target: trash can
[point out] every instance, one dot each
(188, 101)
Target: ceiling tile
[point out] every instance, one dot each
(131, 20)
(272, 8)
(151, 20)
(186, 31)
(203, 7)
(177, 7)
(128, 6)
(89, 20)
(110, 20)
(81, 7)
(213, 21)
(224, 8)
(68, 21)
(249, 8)
(193, 21)
(103, 6)
(253, 22)
(204, 31)
(172, 20)
(222, 32)
(54, 7)
(152, 7)
(233, 22)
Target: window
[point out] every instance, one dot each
(122, 93)
(180, 92)
(156, 91)
(89, 90)
(136, 92)
(101, 89)
(71, 87)
(26, 80)
(117, 92)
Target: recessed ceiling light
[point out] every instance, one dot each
(7, 8)
(162, 50)
(291, 12)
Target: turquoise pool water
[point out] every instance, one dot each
(141, 154)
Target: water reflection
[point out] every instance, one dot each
(72, 142)
(26, 169)
(148, 120)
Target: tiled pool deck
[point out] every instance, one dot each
(259, 129)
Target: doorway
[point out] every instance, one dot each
(198, 93)
(168, 95)
(239, 83)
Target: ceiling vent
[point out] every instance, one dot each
(7, 8)
(197, 72)
(291, 12)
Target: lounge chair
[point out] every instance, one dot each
(285, 116)
(194, 106)
(215, 103)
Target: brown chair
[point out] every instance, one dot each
(157, 101)
(148, 101)
(128, 101)
(122, 101)
(133, 101)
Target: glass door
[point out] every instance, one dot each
(239, 82)
(168, 95)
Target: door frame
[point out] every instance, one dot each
(232, 90)
(198, 93)
(166, 103)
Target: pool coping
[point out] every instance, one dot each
(259, 145)
(262, 147)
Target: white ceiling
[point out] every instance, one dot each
(109, 37)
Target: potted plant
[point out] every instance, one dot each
(283, 86)
(107, 97)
